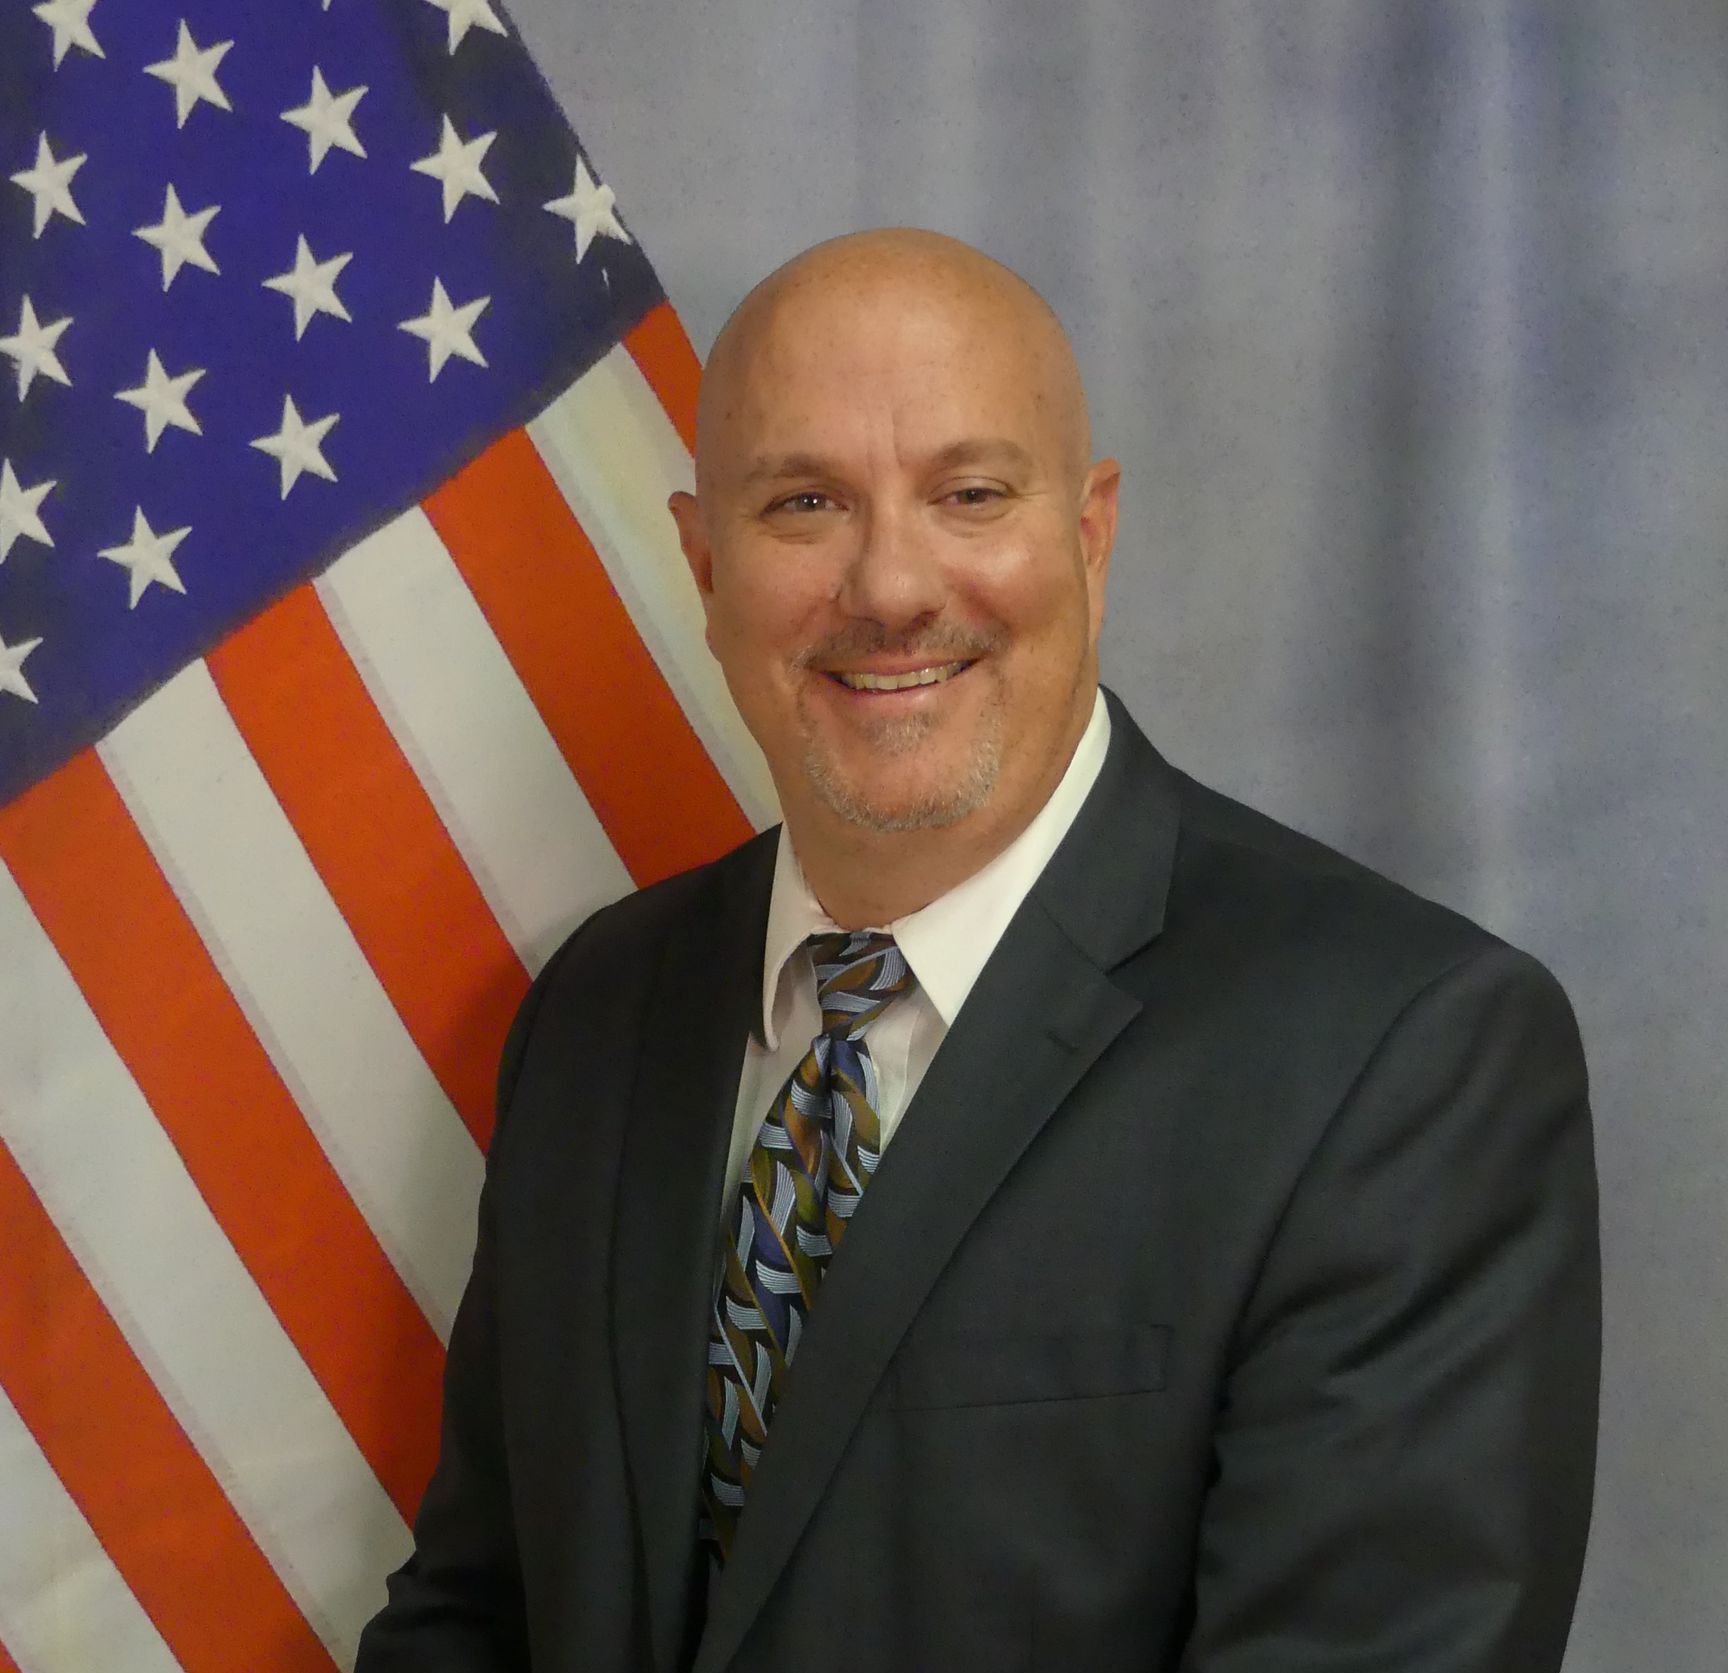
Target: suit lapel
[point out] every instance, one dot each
(706, 993)
(1040, 1014)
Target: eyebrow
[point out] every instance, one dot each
(781, 466)
(982, 450)
(972, 450)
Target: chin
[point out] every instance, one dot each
(889, 803)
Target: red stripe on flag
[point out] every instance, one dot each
(127, 1463)
(542, 586)
(7, 1664)
(378, 843)
(665, 358)
(101, 898)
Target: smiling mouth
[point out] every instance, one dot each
(857, 680)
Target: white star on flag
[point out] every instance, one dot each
(297, 446)
(19, 517)
(464, 15)
(327, 119)
(589, 209)
(148, 557)
(162, 400)
(11, 665)
(447, 330)
(456, 165)
(179, 238)
(49, 182)
(70, 21)
(32, 347)
(312, 285)
(191, 72)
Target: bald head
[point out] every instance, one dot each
(833, 292)
(901, 551)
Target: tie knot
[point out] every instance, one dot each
(856, 975)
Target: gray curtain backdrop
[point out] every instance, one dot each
(1409, 322)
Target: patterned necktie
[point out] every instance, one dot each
(814, 1154)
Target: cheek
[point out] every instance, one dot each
(758, 623)
(1042, 603)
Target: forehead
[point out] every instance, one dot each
(926, 365)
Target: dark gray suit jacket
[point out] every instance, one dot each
(1227, 1302)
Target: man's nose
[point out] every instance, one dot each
(895, 574)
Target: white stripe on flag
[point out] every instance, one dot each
(107, 1175)
(285, 951)
(472, 734)
(615, 456)
(63, 1605)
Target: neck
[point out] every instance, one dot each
(883, 876)
(865, 877)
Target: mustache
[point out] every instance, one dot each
(945, 641)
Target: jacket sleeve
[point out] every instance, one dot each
(456, 1605)
(1406, 1444)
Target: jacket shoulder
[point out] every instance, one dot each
(608, 960)
(1271, 886)
(624, 930)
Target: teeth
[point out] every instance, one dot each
(900, 682)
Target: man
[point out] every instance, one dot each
(1129, 1236)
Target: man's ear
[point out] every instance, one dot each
(1098, 504)
(693, 538)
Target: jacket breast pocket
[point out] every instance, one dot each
(991, 1369)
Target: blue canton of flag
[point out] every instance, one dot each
(267, 275)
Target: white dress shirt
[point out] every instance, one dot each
(946, 944)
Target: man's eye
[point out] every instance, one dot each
(810, 500)
(974, 494)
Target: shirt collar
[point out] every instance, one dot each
(949, 941)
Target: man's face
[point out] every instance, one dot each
(902, 557)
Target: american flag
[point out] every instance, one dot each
(346, 662)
